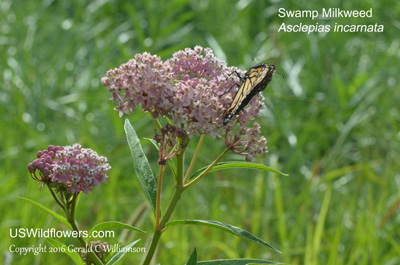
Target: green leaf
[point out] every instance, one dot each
(62, 219)
(236, 262)
(72, 254)
(111, 225)
(142, 167)
(121, 253)
(225, 227)
(170, 161)
(235, 164)
(193, 258)
(153, 142)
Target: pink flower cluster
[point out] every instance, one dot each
(187, 89)
(79, 169)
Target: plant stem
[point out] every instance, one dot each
(177, 193)
(168, 213)
(206, 170)
(153, 246)
(171, 207)
(158, 202)
(157, 233)
(55, 197)
(179, 168)
(71, 220)
(194, 159)
(73, 205)
(91, 254)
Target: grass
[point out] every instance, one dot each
(332, 123)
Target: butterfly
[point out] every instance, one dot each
(254, 81)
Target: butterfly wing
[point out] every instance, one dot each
(254, 81)
(265, 74)
(241, 94)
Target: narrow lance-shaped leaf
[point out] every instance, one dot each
(64, 249)
(62, 219)
(235, 164)
(236, 262)
(225, 227)
(121, 253)
(111, 225)
(141, 164)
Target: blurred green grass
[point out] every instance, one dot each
(332, 123)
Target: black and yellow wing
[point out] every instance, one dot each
(253, 82)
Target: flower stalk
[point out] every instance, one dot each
(194, 181)
(159, 229)
(193, 162)
(70, 211)
(158, 201)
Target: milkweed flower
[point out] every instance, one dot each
(77, 169)
(187, 89)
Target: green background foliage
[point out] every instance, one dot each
(332, 123)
